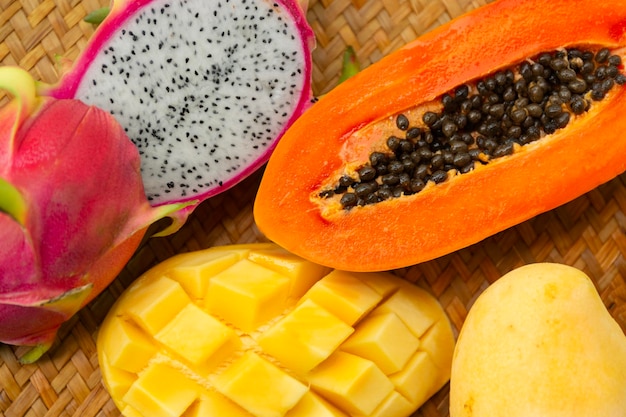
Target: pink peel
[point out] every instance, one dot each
(73, 210)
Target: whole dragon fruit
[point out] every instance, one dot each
(204, 88)
(72, 210)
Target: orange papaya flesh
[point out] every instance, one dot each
(344, 127)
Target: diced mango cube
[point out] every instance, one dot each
(417, 309)
(259, 386)
(395, 405)
(354, 384)
(117, 381)
(156, 303)
(415, 381)
(304, 337)
(161, 391)
(438, 342)
(131, 412)
(214, 404)
(385, 340)
(195, 278)
(302, 273)
(312, 405)
(196, 335)
(247, 295)
(380, 282)
(128, 348)
(344, 295)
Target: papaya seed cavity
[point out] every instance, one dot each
(481, 121)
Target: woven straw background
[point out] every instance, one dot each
(587, 233)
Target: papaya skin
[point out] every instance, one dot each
(466, 208)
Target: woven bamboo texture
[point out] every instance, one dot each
(587, 233)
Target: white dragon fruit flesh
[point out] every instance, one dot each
(204, 88)
(72, 210)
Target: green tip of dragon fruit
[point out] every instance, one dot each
(97, 16)
(73, 209)
(350, 65)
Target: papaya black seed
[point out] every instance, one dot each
(404, 180)
(439, 176)
(462, 159)
(577, 86)
(348, 200)
(405, 146)
(536, 93)
(390, 179)
(503, 149)
(577, 105)
(553, 110)
(566, 75)
(448, 157)
(393, 142)
(371, 199)
(395, 167)
(612, 71)
(345, 181)
(367, 173)
(437, 161)
(587, 68)
(602, 55)
(557, 64)
(519, 115)
(425, 153)
(417, 185)
(461, 92)
(534, 110)
(377, 158)
(413, 133)
(421, 171)
(481, 121)
(449, 128)
(429, 118)
(467, 168)
(562, 120)
(474, 116)
(402, 122)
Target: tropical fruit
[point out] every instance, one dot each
(539, 342)
(72, 210)
(504, 113)
(204, 89)
(254, 330)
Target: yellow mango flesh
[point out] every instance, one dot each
(252, 330)
(539, 342)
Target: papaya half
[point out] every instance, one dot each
(532, 148)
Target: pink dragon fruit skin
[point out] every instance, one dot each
(77, 83)
(72, 210)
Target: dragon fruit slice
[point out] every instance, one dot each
(72, 210)
(204, 88)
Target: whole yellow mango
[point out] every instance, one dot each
(253, 330)
(539, 342)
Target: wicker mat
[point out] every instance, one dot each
(587, 233)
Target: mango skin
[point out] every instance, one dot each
(539, 342)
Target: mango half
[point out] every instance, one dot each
(253, 330)
(539, 342)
